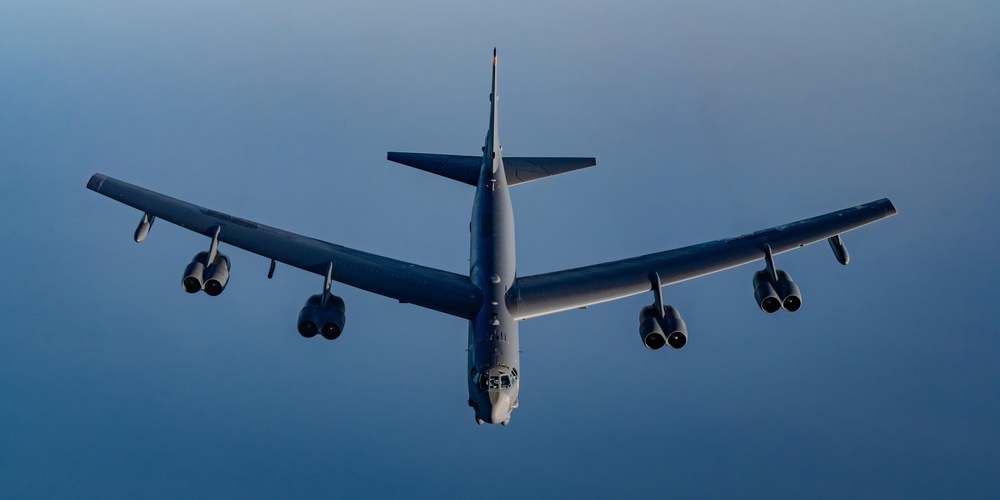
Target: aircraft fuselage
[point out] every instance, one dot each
(494, 360)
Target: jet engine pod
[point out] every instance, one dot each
(333, 318)
(673, 325)
(657, 332)
(649, 329)
(791, 298)
(217, 275)
(764, 292)
(329, 321)
(194, 273)
(309, 317)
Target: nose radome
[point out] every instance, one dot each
(500, 410)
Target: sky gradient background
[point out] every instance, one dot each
(708, 120)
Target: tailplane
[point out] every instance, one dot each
(466, 168)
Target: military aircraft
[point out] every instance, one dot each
(492, 297)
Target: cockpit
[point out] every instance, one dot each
(497, 377)
(493, 392)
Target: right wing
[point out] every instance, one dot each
(549, 293)
(431, 288)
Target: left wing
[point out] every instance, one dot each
(549, 293)
(431, 288)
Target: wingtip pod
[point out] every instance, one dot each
(494, 57)
(142, 230)
(839, 249)
(96, 181)
(890, 209)
(884, 205)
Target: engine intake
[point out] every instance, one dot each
(326, 319)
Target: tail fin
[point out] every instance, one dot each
(466, 168)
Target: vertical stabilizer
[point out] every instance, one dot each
(491, 152)
(475, 170)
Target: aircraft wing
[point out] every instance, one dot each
(549, 293)
(431, 288)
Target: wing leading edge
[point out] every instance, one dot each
(542, 294)
(431, 288)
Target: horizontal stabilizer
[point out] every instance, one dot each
(460, 168)
(466, 168)
(521, 170)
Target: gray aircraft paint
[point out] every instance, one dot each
(493, 340)
(492, 297)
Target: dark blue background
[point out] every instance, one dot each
(708, 120)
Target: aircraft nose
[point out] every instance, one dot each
(499, 408)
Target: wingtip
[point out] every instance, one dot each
(96, 181)
(889, 207)
(494, 57)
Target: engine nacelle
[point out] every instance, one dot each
(763, 290)
(199, 275)
(217, 275)
(771, 296)
(656, 332)
(788, 291)
(308, 323)
(673, 325)
(333, 318)
(194, 273)
(649, 329)
(329, 320)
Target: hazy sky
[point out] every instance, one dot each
(708, 120)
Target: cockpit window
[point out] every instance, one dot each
(501, 377)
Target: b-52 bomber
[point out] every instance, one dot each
(492, 297)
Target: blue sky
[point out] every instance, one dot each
(708, 120)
